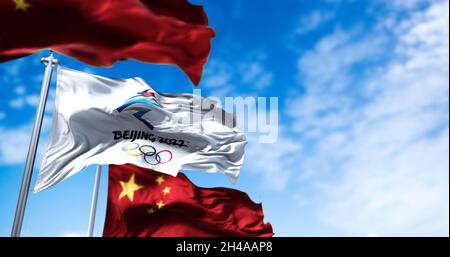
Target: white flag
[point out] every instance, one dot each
(101, 120)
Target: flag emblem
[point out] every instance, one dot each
(149, 153)
(139, 105)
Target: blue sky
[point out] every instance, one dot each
(363, 142)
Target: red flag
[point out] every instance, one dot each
(143, 202)
(102, 32)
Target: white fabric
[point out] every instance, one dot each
(88, 110)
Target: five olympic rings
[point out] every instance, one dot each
(148, 151)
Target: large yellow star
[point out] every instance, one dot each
(166, 190)
(21, 5)
(128, 188)
(159, 180)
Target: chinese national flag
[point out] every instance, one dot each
(143, 203)
(102, 32)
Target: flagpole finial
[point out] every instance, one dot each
(50, 60)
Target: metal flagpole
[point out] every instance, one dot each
(29, 163)
(94, 201)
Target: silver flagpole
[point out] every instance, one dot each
(29, 163)
(94, 201)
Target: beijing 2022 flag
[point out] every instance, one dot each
(100, 120)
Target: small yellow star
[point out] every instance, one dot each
(21, 5)
(166, 190)
(160, 204)
(128, 188)
(151, 210)
(159, 180)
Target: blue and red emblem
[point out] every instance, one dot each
(139, 105)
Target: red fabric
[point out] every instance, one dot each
(188, 210)
(102, 32)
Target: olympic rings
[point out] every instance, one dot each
(161, 157)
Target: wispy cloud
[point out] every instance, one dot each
(19, 90)
(327, 75)
(377, 128)
(24, 101)
(248, 72)
(313, 21)
(274, 162)
(14, 150)
(404, 4)
(16, 71)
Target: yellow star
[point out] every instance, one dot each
(166, 190)
(21, 5)
(159, 180)
(128, 188)
(160, 204)
(151, 210)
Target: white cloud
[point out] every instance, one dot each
(313, 21)
(21, 101)
(273, 162)
(72, 234)
(14, 144)
(256, 74)
(249, 72)
(378, 143)
(14, 68)
(15, 141)
(218, 76)
(32, 100)
(326, 74)
(20, 90)
(404, 4)
(16, 103)
(392, 192)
